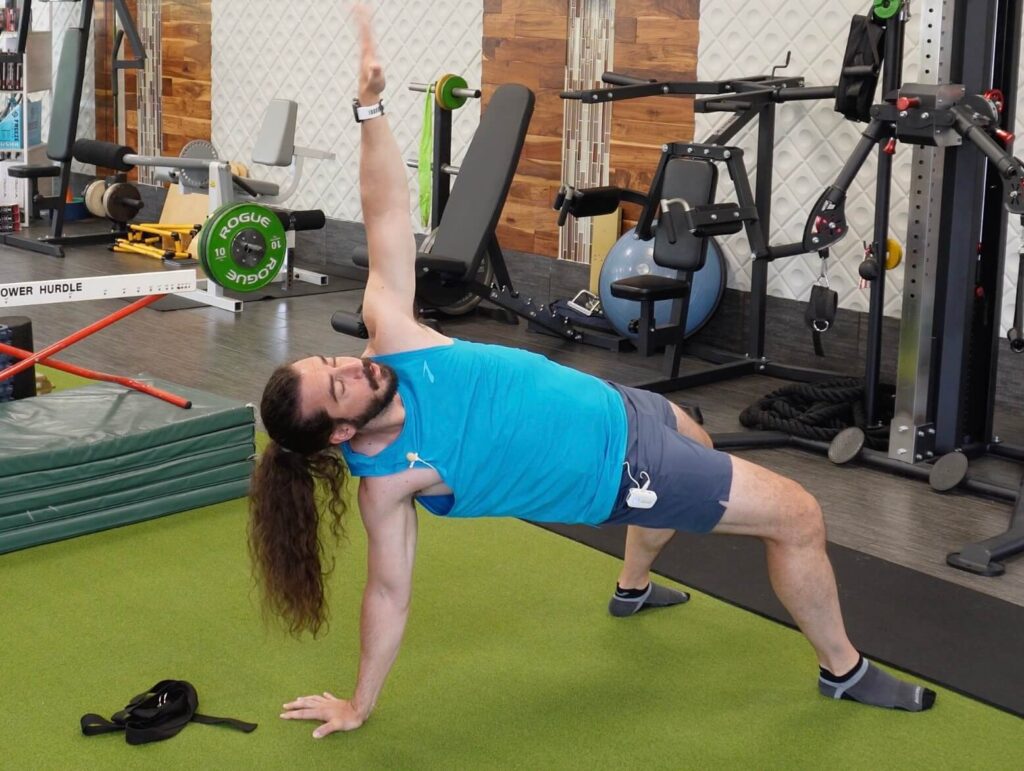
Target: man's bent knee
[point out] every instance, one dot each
(804, 523)
(768, 505)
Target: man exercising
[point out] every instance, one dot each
(454, 425)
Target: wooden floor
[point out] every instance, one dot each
(889, 517)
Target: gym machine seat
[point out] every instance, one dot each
(649, 288)
(679, 179)
(33, 174)
(275, 146)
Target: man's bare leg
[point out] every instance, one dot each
(789, 521)
(643, 544)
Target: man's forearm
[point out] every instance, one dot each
(381, 628)
(384, 188)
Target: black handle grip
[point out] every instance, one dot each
(806, 93)
(619, 79)
(349, 324)
(665, 220)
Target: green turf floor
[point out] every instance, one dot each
(510, 661)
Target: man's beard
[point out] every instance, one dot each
(379, 401)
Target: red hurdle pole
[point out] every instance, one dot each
(92, 374)
(81, 334)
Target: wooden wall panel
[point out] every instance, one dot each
(656, 39)
(185, 89)
(525, 42)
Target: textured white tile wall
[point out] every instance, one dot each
(812, 141)
(745, 37)
(307, 51)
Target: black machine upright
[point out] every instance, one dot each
(63, 127)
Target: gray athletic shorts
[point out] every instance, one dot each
(691, 481)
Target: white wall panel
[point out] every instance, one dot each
(307, 51)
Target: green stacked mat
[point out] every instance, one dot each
(100, 456)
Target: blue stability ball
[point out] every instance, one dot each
(633, 257)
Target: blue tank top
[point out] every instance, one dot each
(510, 432)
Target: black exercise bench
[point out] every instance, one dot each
(466, 236)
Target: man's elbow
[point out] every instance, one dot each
(396, 597)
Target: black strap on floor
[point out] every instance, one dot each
(159, 713)
(820, 411)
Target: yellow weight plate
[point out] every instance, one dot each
(893, 254)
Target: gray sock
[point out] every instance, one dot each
(870, 685)
(655, 596)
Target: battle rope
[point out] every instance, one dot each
(821, 410)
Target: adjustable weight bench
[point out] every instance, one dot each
(465, 236)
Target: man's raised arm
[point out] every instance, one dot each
(384, 191)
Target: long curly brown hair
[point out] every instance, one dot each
(286, 540)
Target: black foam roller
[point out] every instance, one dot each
(19, 334)
(312, 219)
(103, 154)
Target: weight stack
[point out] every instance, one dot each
(16, 331)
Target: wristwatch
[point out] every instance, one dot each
(367, 113)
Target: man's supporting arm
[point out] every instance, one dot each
(391, 534)
(391, 548)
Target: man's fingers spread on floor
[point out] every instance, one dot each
(304, 701)
(310, 713)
